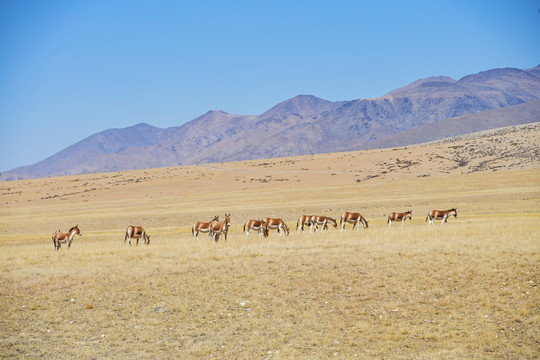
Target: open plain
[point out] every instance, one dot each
(465, 289)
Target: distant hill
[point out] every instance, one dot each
(435, 107)
(492, 119)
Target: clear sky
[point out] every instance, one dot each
(69, 69)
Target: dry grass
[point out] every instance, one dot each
(468, 289)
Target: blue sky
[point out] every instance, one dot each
(69, 69)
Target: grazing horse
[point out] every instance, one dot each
(393, 217)
(220, 228)
(352, 218)
(257, 225)
(277, 224)
(59, 237)
(323, 221)
(136, 232)
(202, 227)
(303, 220)
(440, 214)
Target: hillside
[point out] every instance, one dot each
(510, 148)
(307, 125)
(513, 115)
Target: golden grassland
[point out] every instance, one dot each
(467, 289)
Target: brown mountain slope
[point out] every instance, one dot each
(510, 148)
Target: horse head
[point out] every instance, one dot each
(76, 229)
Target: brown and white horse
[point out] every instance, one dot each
(202, 227)
(440, 214)
(59, 237)
(136, 232)
(352, 218)
(220, 228)
(393, 217)
(257, 225)
(277, 224)
(303, 220)
(323, 221)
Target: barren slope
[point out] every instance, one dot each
(167, 192)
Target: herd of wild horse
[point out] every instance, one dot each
(215, 228)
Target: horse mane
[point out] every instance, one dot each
(72, 228)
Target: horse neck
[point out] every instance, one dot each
(71, 234)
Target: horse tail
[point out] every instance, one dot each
(193, 230)
(244, 228)
(427, 216)
(388, 222)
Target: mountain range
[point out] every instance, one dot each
(425, 110)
